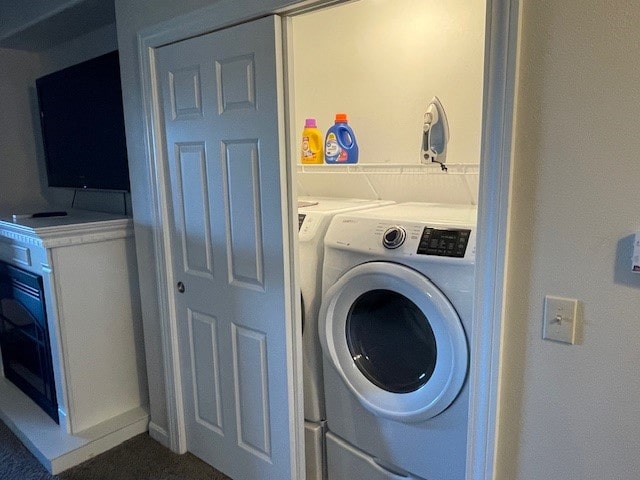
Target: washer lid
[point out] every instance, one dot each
(396, 341)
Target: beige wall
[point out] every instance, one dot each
(382, 62)
(20, 182)
(573, 412)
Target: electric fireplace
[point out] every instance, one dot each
(24, 337)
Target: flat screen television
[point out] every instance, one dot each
(83, 126)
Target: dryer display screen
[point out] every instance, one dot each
(444, 243)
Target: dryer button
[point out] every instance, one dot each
(394, 237)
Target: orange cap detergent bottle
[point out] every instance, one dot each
(311, 151)
(340, 144)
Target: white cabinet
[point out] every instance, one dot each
(88, 265)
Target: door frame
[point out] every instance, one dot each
(502, 41)
(500, 76)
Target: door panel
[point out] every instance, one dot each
(225, 161)
(192, 188)
(243, 207)
(205, 365)
(250, 369)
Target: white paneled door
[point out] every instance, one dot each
(223, 124)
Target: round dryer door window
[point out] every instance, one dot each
(396, 341)
(391, 341)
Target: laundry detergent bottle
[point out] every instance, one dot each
(311, 151)
(340, 144)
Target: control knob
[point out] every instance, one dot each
(394, 237)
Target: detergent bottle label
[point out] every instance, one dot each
(332, 149)
(306, 150)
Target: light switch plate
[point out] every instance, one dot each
(560, 319)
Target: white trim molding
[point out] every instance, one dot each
(501, 44)
(161, 240)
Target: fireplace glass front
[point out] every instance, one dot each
(24, 337)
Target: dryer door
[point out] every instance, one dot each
(396, 341)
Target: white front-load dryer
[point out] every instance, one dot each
(394, 326)
(314, 216)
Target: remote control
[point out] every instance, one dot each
(48, 214)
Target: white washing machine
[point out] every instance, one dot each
(394, 326)
(314, 216)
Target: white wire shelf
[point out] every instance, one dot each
(391, 168)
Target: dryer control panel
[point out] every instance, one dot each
(444, 243)
(411, 232)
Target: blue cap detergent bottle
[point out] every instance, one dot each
(340, 144)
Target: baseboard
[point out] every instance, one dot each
(159, 434)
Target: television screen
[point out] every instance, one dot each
(83, 126)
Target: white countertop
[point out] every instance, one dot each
(78, 226)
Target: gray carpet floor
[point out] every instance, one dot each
(140, 458)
